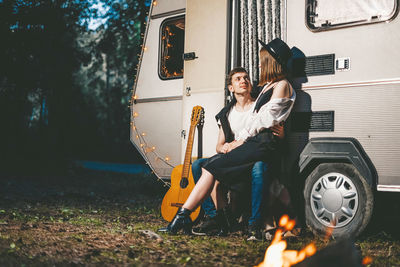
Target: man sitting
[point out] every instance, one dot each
(231, 120)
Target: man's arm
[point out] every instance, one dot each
(222, 147)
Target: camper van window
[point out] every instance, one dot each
(172, 36)
(328, 14)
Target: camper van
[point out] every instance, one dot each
(343, 138)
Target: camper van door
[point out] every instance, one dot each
(204, 78)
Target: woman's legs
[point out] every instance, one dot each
(218, 195)
(208, 205)
(201, 190)
(182, 220)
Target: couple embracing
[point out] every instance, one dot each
(248, 140)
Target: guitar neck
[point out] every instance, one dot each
(188, 154)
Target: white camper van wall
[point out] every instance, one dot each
(139, 137)
(259, 19)
(147, 150)
(158, 114)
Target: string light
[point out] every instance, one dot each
(150, 153)
(146, 148)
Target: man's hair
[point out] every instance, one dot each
(271, 70)
(233, 72)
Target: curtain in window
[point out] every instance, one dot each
(345, 11)
(259, 19)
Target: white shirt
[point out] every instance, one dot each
(239, 119)
(272, 113)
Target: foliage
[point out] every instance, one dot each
(64, 88)
(38, 57)
(107, 81)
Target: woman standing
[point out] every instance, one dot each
(256, 141)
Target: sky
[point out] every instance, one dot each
(102, 10)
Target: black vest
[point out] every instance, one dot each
(222, 116)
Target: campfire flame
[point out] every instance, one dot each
(366, 260)
(277, 255)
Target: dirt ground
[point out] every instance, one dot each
(95, 218)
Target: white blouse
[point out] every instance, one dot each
(272, 113)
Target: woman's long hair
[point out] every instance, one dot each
(271, 70)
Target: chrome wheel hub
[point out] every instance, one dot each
(334, 200)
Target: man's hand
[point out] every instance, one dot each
(278, 130)
(225, 148)
(235, 144)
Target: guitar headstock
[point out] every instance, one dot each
(197, 116)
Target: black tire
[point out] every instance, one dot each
(337, 196)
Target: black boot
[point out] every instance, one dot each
(181, 221)
(223, 221)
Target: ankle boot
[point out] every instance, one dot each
(223, 222)
(181, 221)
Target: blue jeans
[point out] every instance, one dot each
(259, 179)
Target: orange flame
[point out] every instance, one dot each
(276, 254)
(367, 260)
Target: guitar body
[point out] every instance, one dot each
(182, 181)
(177, 194)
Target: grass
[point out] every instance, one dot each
(94, 218)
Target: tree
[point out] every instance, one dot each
(38, 57)
(110, 75)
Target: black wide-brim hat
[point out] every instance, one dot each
(279, 50)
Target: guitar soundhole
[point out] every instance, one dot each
(184, 182)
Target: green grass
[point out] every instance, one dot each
(95, 218)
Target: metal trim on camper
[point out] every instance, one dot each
(157, 99)
(339, 148)
(167, 14)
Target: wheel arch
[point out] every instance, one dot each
(336, 149)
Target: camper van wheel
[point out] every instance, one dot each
(337, 197)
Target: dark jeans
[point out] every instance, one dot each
(259, 179)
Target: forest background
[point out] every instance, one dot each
(66, 73)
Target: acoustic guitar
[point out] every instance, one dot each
(182, 181)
